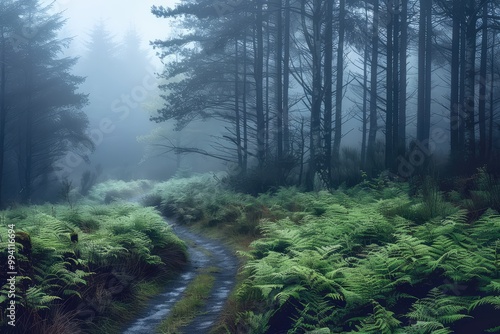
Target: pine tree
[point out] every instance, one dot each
(9, 12)
(44, 109)
(100, 66)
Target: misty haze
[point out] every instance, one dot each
(249, 166)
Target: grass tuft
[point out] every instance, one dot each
(193, 300)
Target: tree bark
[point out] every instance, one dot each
(279, 79)
(286, 78)
(373, 91)
(461, 89)
(267, 89)
(403, 47)
(328, 87)
(340, 81)
(454, 85)
(258, 77)
(492, 101)
(482, 86)
(315, 133)
(3, 111)
(389, 89)
(244, 103)
(470, 75)
(364, 123)
(395, 85)
(237, 105)
(424, 70)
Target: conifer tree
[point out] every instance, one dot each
(40, 101)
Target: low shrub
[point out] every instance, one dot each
(77, 263)
(390, 265)
(115, 190)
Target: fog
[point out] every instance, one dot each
(122, 99)
(118, 16)
(290, 97)
(350, 148)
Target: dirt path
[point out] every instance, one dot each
(203, 253)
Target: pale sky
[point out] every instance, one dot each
(118, 15)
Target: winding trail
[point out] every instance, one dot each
(203, 253)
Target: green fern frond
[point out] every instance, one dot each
(428, 327)
(488, 300)
(380, 321)
(438, 308)
(493, 330)
(36, 299)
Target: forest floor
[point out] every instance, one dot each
(366, 259)
(205, 254)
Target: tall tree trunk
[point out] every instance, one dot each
(244, 103)
(340, 80)
(267, 89)
(302, 149)
(279, 79)
(364, 112)
(373, 90)
(259, 82)
(482, 86)
(461, 91)
(3, 111)
(492, 100)
(27, 163)
(403, 47)
(424, 72)
(286, 78)
(28, 145)
(470, 75)
(428, 69)
(237, 104)
(328, 87)
(454, 85)
(395, 85)
(389, 89)
(315, 133)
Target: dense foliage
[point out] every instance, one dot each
(369, 259)
(78, 267)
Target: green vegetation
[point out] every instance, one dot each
(366, 259)
(87, 268)
(114, 190)
(191, 303)
(369, 259)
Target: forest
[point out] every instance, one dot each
(261, 167)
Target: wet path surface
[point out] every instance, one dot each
(203, 253)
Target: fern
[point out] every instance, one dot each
(488, 300)
(37, 299)
(368, 251)
(380, 321)
(257, 323)
(438, 308)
